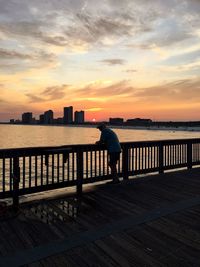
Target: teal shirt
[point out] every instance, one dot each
(111, 140)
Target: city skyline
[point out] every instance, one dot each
(48, 117)
(123, 59)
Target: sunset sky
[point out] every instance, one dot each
(111, 58)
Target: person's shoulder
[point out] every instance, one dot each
(107, 130)
(110, 130)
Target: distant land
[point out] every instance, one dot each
(138, 123)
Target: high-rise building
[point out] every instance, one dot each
(79, 116)
(48, 117)
(68, 115)
(41, 118)
(27, 117)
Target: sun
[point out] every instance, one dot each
(94, 120)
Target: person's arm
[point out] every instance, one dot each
(101, 140)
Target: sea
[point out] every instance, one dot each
(17, 136)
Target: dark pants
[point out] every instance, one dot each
(112, 161)
(113, 158)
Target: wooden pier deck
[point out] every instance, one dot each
(152, 221)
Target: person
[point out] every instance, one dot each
(110, 139)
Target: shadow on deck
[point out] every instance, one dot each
(153, 221)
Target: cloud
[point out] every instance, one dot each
(131, 70)
(55, 92)
(10, 54)
(67, 24)
(15, 61)
(92, 29)
(113, 61)
(36, 30)
(12, 105)
(184, 58)
(35, 99)
(168, 34)
(51, 93)
(93, 109)
(38, 55)
(175, 25)
(78, 23)
(108, 91)
(180, 91)
(2, 101)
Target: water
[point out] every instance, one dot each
(15, 136)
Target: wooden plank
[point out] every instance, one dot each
(161, 242)
(112, 253)
(153, 242)
(179, 232)
(35, 264)
(134, 254)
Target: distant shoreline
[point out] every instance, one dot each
(149, 128)
(161, 128)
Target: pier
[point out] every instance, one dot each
(146, 220)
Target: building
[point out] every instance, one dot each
(58, 121)
(79, 117)
(68, 115)
(116, 121)
(48, 117)
(139, 122)
(27, 117)
(41, 119)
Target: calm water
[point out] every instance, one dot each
(13, 136)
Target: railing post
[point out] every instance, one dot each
(189, 155)
(79, 188)
(125, 162)
(16, 180)
(161, 169)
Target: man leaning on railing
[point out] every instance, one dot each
(110, 139)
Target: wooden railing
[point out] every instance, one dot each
(30, 170)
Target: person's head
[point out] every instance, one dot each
(101, 126)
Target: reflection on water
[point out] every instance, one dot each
(53, 211)
(33, 136)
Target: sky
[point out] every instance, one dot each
(111, 58)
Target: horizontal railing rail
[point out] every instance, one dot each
(30, 170)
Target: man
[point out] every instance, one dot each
(110, 139)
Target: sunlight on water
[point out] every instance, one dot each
(13, 136)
